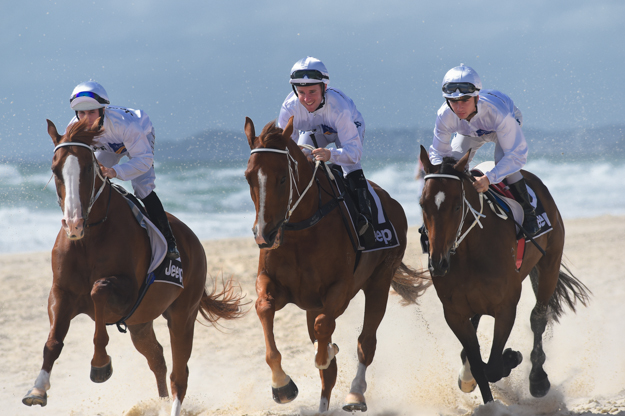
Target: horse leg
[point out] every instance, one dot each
(501, 363)
(544, 279)
(181, 324)
(60, 312)
(283, 388)
(376, 298)
(328, 375)
(466, 382)
(112, 292)
(465, 332)
(145, 342)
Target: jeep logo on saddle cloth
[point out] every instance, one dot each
(170, 271)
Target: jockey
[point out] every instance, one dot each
(127, 132)
(478, 116)
(332, 117)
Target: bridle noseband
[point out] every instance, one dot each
(292, 179)
(477, 215)
(96, 172)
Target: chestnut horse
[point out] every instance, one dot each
(99, 261)
(472, 260)
(314, 267)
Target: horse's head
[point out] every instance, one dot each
(442, 206)
(269, 171)
(76, 174)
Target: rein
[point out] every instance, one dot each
(97, 172)
(477, 215)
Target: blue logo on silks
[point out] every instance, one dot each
(118, 148)
(481, 132)
(327, 129)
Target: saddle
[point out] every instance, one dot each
(384, 231)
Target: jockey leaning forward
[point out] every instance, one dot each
(330, 116)
(127, 132)
(477, 116)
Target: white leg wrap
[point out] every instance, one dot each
(43, 381)
(175, 407)
(359, 385)
(466, 382)
(323, 405)
(333, 349)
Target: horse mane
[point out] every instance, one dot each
(271, 136)
(447, 167)
(80, 132)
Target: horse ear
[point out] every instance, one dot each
(250, 132)
(288, 130)
(425, 160)
(56, 137)
(462, 163)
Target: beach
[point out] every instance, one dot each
(414, 371)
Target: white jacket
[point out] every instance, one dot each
(337, 116)
(495, 114)
(127, 132)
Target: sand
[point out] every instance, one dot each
(414, 371)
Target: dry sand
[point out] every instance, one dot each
(414, 372)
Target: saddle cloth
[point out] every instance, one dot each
(161, 269)
(385, 234)
(509, 204)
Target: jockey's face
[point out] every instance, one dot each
(91, 115)
(310, 96)
(463, 107)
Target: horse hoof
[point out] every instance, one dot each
(285, 394)
(540, 388)
(101, 374)
(34, 399)
(354, 403)
(511, 358)
(467, 386)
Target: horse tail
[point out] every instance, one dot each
(410, 284)
(227, 304)
(569, 290)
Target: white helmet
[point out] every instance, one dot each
(88, 96)
(308, 71)
(461, 81)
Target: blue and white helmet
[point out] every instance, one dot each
(309, 71)
(461, 81)
(88, 96)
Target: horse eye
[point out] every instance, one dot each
(283, 180)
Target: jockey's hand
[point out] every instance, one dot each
(322, 154)
(481, 184)
(108, 172)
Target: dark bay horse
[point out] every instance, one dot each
(313, 268)
(472, 260)
(99, 261)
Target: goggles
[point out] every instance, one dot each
(89, 94)
(308, 73)
(463, 87)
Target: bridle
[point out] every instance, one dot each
(96, 172)
(465, 203)
(292, 178)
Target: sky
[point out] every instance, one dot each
(207, 64)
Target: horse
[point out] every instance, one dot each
(474, 271)
(317, 268)
(99, 261)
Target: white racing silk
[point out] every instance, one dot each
(338, 116)
(497, 120)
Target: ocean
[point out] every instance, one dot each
(212, 196)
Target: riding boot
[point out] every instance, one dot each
(358, 183)
(157, 215)
(519, 191)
